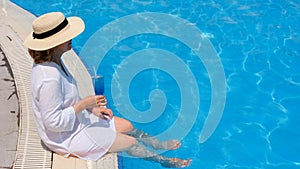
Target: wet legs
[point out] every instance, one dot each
(140, 151)
(152, 141)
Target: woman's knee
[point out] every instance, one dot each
(123, 125)
(129, 125)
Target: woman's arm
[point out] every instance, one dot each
(49, 100)
(55, 116)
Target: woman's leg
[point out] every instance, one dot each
(130, 145)
(140, 151)
(125, 126)
(152, 141)
(122, 125)
(122, 142)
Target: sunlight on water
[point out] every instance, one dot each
(258, 46)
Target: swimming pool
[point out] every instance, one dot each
(258, 45)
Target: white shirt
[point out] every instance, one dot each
(53, 94)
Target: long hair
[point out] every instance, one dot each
(41, 56)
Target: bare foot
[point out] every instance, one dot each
(169, 145)
(176, 163)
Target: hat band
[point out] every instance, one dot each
(52, 31)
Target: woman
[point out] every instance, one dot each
(60, 112)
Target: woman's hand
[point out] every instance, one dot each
(100, 100)
(95, 101)
(90, 102)
(102, 112)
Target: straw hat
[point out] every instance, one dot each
(53, 29)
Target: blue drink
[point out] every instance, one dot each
(98, 82)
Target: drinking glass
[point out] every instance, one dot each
(98, 82)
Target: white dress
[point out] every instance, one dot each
(64, 132)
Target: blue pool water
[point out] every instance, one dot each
(258, 45)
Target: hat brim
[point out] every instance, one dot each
(74, 28)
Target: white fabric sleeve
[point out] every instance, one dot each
(54, 116)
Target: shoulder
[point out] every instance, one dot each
(47, 71)
(44, 75)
